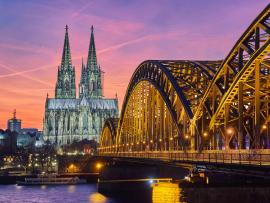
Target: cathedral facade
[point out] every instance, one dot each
(68, 118)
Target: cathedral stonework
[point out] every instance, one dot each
(68, 118)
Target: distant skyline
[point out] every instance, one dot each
(126, 33)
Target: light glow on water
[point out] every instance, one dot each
(97, 198)
(71, 188)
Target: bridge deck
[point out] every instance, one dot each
(241, 157)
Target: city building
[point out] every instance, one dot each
(8, 141)
(30, 137)
(14, 124)
(68, 118)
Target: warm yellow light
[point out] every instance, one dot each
(229, 131)
(99, 165)
(205, 134)
(171, 138)
(151, 141)
(186, 137)
(160, 140)
(137, 142)
(264, 127)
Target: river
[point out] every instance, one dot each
(52, 194)
(164, 193)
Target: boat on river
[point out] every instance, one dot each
(51, 180)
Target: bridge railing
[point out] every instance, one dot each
(252, 157)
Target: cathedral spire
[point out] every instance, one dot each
(65, 85)
(66, 57)
(92, 56)
(82, 72)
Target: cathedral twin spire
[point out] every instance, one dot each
(90, 85)
(65, 85)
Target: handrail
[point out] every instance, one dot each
(256, 159)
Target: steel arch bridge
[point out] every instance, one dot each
(182, 105)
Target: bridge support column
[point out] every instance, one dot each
(257, 106)
(240, 116)
(226, 127)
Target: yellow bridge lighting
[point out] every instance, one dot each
(219, 97)
(99, 165)
(230, 131)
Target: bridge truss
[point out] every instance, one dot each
(198, 105)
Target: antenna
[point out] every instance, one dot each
(14, 114)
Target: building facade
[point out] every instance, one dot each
(68, 118)
(14, 124)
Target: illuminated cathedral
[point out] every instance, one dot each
(68, 118)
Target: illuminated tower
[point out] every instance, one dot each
(91, 79)
(65, 85)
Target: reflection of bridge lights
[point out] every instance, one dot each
(97, 198)
(264, 127)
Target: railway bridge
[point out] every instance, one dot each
(199, 111)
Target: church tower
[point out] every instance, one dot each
(65, 85)
(93, 71)
(83, 88)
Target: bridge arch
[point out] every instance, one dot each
(243, 76)
(213, 104)
(176, 87)
(108, 135)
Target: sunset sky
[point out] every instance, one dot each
(127, 32)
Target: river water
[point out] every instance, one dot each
(162, 193)
(52, 194)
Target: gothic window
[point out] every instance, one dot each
(85, 121)
(68, 124)
(66, 85)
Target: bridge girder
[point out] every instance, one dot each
(218, 104)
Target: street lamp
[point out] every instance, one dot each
(229, 131)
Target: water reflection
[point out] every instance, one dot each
(97, 198)
(71, 188)
(174, 193)
(166, 192)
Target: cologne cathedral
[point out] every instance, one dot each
(68, 118)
